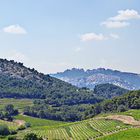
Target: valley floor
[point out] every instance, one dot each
(96, 128)
(110, 127)
(120, 126)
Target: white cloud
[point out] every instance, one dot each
(14, 29)
(92, 37)
(96, 37)
(114, 36)
(119, 21)
(115, 24)
(126, 15)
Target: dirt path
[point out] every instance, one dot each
(19, 122)
(125, 119)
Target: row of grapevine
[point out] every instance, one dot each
(84, 130)
(107, 126)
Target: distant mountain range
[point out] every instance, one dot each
(91, 78)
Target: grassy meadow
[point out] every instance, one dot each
(18, 103)
(131, 134)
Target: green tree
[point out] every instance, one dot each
(121, 108)
(10, 109)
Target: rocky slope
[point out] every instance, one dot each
(90, 78)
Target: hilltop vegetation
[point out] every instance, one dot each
(41, 109)
(109, 91)
(125, 102)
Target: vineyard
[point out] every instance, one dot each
(96, 128)
(85, 130)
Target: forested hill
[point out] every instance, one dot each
(122, 103)
(109, 91)
(18, 81)
(130, 100)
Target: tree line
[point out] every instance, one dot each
(41, 109)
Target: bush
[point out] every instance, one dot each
(22, 127)
(4, 130)
(13, 132)
(121, 108)
(31, 136)
(27, 124)
(12, 138)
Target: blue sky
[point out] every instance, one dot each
(53, 35)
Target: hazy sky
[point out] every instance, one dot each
(53, 35)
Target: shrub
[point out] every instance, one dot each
(13, 132)
(12, 138)
(121, 108)
(22, 127)
(4, 130)
(31, 136)
(27, 124)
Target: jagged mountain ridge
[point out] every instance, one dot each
(91, 78)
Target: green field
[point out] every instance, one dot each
(133, 113)
(131, 134)
(18, 103)
(36, 122)
(11, 125)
